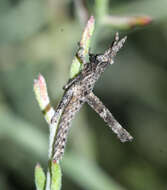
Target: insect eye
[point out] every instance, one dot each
(96, 58)
(92, 57)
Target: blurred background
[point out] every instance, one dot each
(40, 36)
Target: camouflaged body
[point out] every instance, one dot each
(79, 90)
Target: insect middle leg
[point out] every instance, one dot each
(61, 106)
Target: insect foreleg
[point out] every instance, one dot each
(71, 81)
(61, 106)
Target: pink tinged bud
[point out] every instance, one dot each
(126, 22)
(41, 93)
(88, 31)
(42, 86)
(140, 21)
(83, 47)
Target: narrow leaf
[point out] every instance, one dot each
(41, 93)
(83, 47)
(86, 36)
(56, 176)
(42, 97)
(39, 177)
(126, 22)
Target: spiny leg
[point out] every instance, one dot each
(71, 81)
(111, 52)
(81, 59)
(106, 115)
(116, 39)
(117, 45)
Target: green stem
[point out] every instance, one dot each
(101, 9)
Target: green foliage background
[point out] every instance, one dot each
(39, 36)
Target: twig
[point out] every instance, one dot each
(126, 22)
(42, 97)
(77, 91)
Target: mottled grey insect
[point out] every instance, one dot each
(79, 90)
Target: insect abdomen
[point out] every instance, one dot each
(68, 114)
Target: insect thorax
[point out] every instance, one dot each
(89, 76)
